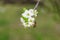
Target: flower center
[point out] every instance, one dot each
(28, 14)
(30, 20)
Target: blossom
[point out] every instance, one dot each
(31, 19)
(28, 17)
(31, 11)
(26, 24)
(35, 13)
(31, 23)
(27, 14)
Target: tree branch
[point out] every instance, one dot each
(36, 4)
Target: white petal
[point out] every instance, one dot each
(31, 19)
(22, 20)
(26, 11)
(31, 23)
(31, 12)
(24, 24)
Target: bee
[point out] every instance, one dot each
(34, 25)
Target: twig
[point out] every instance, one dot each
(36, 4)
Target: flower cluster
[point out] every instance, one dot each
(28, 17)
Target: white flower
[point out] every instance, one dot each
(31, 19)
(35, 13)
(26, 25)
(27, 14)
(30, 15)
(31, 23)
(31, 10)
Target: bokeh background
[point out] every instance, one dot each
(48, 20)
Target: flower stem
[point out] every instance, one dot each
(36, 4)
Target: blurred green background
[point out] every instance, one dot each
(48, 20)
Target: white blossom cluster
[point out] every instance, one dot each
(28, 17)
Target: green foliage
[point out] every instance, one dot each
(4, 33)
(24, 9)
(26, 19)
(21, 10)
(4, 36)
(3, 22)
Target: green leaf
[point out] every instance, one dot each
(26, 19)
(24, 9)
